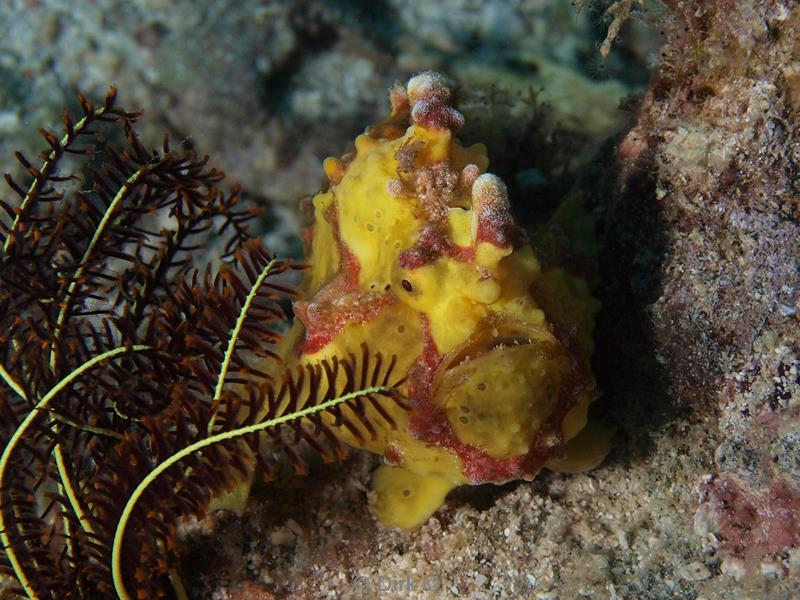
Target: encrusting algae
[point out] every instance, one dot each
(414, 250)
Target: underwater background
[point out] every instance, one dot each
(683, 147)
(269, 89)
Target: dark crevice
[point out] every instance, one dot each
(633, 383)
(314, 36)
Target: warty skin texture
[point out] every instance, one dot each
(413, 250)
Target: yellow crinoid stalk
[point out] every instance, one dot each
(414, 251)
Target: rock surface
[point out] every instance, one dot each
(715, 160)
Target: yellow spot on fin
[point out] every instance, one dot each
(233, 500)
(404, 499)
(586, 450)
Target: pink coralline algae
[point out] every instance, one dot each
(754, 531)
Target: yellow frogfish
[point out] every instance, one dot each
(413, 250)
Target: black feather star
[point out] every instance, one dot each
(134, 387)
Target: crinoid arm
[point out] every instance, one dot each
(135, 386)
(311, 403)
